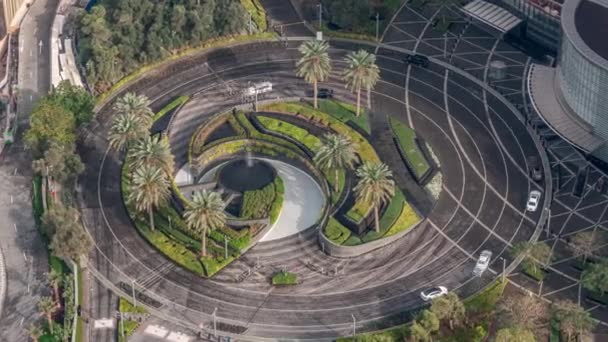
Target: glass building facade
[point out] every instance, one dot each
(542, 19)
(583, 74)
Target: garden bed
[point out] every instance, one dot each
(284, 278)
(408, 146)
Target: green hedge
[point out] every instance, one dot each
(257, 203)
(295, 132)
(277, 202)
(126, 306)
(406, 220)
(336, 232)
(169, 107)
(284, 278)
(346, 112)
(213, 265)
(406, 138)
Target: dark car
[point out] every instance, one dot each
(325, 93)
(418, 60)
(537, 174)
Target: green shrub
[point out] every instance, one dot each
(406, 138)
(129, 328)
(284, 278)
(486, 300)
(299, 134)
(171, 106)
(346, 112)
(258, 14)
(406, 220)
(353, 241)
(212, 265)
(257, 203)
(336, 232)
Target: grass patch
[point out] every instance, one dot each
(336, 232)
(258, 14)
(126, 306)
(285, 278)
(398, 333)
(353, 240)
(212, 265)
(406, 138)
(486, 300)
(258, 204)
(169, 107)
(297, 133)
(406, 220)
(346, 112)
(126, 328)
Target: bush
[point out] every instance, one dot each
(285, 278)
(126, 306)
(299, 134)
(486, 300)
(169, 107)
(277, 203)
(212, 265)
(257, 203)
(406, 138)
(346, 112)
(258, 14)
(336, 232)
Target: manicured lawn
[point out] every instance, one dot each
(336, 232)
(346, 112)
(129, 329)
(406, 137)
(398, 216)
(285, 278)
(406, 220)
(486, 300)
(295, 132)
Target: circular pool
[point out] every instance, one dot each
(246, 174)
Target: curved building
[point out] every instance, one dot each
(583, 62)
(573, 98)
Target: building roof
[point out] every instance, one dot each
(545, 94)
(591, 21)
(492, 15)
(584, 25)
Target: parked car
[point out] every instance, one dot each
(325, 93)
(418, 60)
(433, 293)
(536, 174)
(482, 263)
(533, 200)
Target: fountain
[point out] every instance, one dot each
(246, 174)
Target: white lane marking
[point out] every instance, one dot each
(104, 323)
(156, 330)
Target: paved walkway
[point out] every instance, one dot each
(302, 204)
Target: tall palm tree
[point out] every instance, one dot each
(47, 307)
(152, 151)
(125, 130)
(375, 186)
(361, 72)
(314, 65)
(149, 188)
(136, 105)
(205, 212)
(336, 152)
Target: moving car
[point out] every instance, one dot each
(418, 60)
(533, 200)
(258, 88)
(433, 293)
(482, 263)
(325, 93)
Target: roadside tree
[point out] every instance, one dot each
(136, 105)
(522, 311)
(314, 65)
(361, 72)
(534, 255)
(514, 335)
(586, 243)
(50, 123)
(375, 187)
(149, 189)
(74, 99)
(336, 153)
(126, 129)
(153, 151)
(47, 307)
(449, 308)
(574, 321)
(205, 212)
(595, 277)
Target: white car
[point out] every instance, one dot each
(433, 293)
(482, 263)
(533, 200)
(258, 88)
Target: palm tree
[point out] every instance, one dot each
(126, 129)
(205, 212)
(136, 105)
(35, 332)
(54, 278)
(336, 152)
(47, 307)
(314, 65)
(152, 151)
(375, 186)
(361, 71)
(149, 189)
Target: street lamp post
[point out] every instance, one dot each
(504, 266)
(377, 25)
(214, 322)
(320, 5)
(354, 324)
(133, 292)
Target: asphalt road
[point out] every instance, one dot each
(485, 186)
(25, 255)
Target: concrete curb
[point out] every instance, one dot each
(2, 281)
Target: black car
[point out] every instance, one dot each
(325, 93)
(537, 174)
(418, 60)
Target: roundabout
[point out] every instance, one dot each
(482, 150)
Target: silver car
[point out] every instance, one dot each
(482, 263)
(433, 293)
